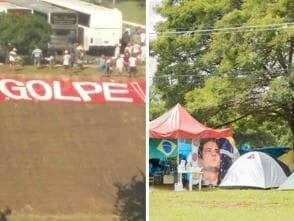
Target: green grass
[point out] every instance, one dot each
(78, 217)
(87, 71)
(132, 10)
(221, 205)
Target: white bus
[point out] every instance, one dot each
(100, 28)
(63, 22)
(9, 8)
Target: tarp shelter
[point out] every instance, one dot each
(254, 169)
(178, 123)
(288, 184)
(273, 151)
(288, 159)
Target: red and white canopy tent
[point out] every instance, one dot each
(178, 123)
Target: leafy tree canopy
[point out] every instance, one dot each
(230, 76)
(24, 32)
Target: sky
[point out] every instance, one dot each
(153, 19)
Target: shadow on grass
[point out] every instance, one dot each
(130, 203)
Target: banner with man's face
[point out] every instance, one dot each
(215, 157)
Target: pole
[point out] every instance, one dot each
(178, 151)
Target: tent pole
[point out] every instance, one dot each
(178, 154)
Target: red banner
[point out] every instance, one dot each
(62, 90)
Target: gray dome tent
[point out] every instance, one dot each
(288, 184)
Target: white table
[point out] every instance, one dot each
(190, 174)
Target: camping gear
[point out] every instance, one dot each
(288, 184)
(288, 159)
(273, 151)
(254, 169)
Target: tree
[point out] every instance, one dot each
(229, 75)
(131, 199)
(24, 32)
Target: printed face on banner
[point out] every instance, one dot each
(210, 155)
(215, 156)
(210, 161)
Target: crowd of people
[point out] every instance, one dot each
(127, 55)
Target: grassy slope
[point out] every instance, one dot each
(132, 11)
(76, 217)
(221, 205)
(65, 158)
(90, 71)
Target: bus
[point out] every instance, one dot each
(12, 9)
(63, 22)
(100, 28)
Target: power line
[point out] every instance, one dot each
(244, 72)
(229, 29)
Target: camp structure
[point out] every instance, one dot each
(273, 151)
(254, 169)
(172, 137)
(288, 184)
(288, 159)
(178, 123)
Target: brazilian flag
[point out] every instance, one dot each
(167, 147)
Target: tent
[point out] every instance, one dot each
(288, 184)
(288, 159)
(273, 151)
(178, 123)
(254, 169)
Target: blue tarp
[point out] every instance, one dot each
(273, 151)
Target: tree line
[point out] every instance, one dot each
(226, 75)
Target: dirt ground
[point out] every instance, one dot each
(68, 158)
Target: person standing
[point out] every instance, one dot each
(133, 66)
(7, 51)
(12, 58)
(37, 55)
(66, 60)
(80, 56)
(117, 51)
(102, 64)
(120, 64)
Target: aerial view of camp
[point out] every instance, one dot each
(72, 110)
(221, 127)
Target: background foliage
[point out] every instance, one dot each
(241, 78)
(24, 32)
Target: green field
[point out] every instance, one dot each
(132, 11)
(221, 205)
(89, 71)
